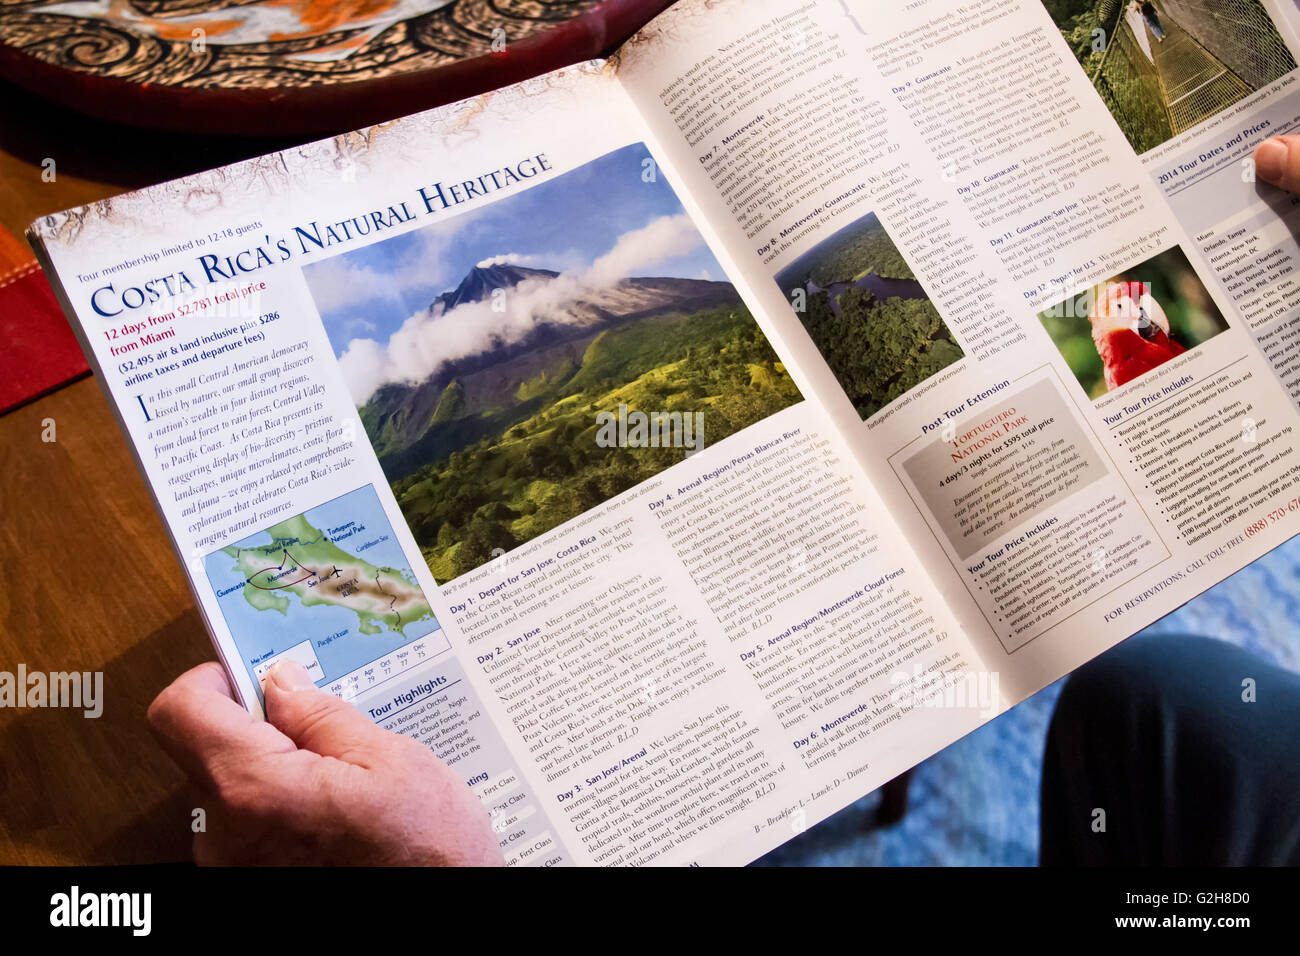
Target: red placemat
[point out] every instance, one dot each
(38, 352)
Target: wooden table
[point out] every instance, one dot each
(90, 580)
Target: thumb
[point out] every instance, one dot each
(1277, 161)
(319, 721)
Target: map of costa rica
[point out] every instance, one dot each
(332, 586)
(304, 562)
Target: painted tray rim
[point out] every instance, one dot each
(326, 108)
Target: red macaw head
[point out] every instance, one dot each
(1130, 330)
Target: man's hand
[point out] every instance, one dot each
(316, 783)
(1277, 161)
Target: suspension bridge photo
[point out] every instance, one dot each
(1163, 66)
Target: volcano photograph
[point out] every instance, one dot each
(481, 352)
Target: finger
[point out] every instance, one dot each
(320, 722)
(1277, 161)
(200, 725)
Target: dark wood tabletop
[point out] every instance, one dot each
(90, 580)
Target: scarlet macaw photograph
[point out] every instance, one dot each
(1118, 330)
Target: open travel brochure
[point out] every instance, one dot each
(684, 445)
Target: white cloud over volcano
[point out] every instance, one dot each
(433, 336)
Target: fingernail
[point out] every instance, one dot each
(290, 675)
(1270, 161)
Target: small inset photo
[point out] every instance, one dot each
(1164, 66)
(1122, 328)
(869, 317)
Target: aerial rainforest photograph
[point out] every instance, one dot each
(868, 315)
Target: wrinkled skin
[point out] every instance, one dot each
(316, 782)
